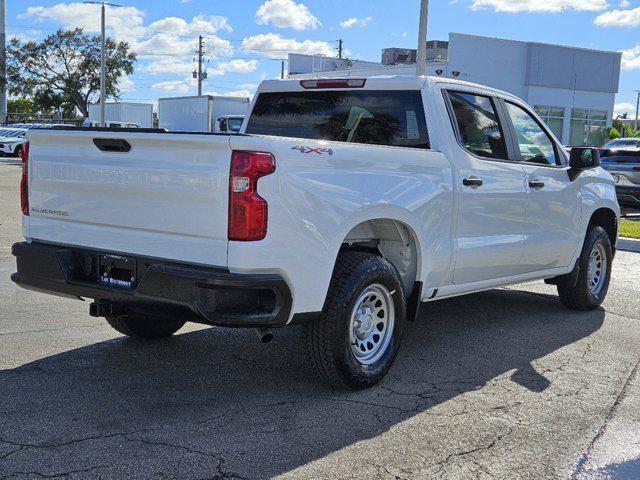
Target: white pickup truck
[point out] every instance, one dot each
(342, 206)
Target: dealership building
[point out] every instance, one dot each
(572, 89)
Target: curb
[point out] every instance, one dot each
(628, 245)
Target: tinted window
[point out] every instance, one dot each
(373, 117)
(478, 125)
(535, 145)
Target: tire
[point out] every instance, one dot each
(586, 287)
(145, 328)
(346, 345)
(18, 152)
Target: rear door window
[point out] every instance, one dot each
(394, 118)
(478, 125)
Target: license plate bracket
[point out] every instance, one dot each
(117, 271)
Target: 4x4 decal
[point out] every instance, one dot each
(307, 150)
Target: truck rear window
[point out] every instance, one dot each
(393, 118)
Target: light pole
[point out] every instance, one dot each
(421, 63)
(635, 124)
(3, 63)
(103, 59)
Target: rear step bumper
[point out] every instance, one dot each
(205, 295)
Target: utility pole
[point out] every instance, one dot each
(200, 42)
(103, 58)
(281, 60)
(635, 124)
(3, 62)
(340, 48)
(421, 64)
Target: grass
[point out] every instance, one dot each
(630, 228)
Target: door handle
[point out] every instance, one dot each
(536, 184)
(472, 182)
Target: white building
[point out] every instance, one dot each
(573, 89)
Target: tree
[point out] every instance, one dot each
(22, 106)
(613, 133)
(64, 68)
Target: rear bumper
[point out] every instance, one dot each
(628, 195)
(205, 295)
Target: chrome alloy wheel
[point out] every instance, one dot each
(597, 271)
(371, 324)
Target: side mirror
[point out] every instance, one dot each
(582, 158)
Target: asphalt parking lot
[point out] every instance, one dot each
(504, 384)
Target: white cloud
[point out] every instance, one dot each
(624, 4)
(631, 58)
(237, 66)
(535, 6)
(619, 18)
(126, 84)
(167, 36)
(286, 14)
(275, 46)
(200, 24)
(351, 22)
(234, 93)
(119, 21)
(173, 67)
(162, 45)
(178, 86)
(622, 108)
(169, 65)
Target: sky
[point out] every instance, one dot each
(245, 38)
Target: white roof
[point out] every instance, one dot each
(382, 82)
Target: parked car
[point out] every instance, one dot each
(11, 141)
(343, 206)
(621, 158)
(229, 123)
(38, 126)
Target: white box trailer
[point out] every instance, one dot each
(124, 112)
(198, 114)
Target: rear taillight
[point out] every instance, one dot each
(248, 211)
(24, 182)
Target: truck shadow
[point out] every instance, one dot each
(215, 403)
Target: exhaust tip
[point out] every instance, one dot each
(265, 335)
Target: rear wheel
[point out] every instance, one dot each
(143, 327)
(356, 339)
(587, 286)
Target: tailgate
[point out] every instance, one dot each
(166, 197)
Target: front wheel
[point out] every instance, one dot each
(356, 339)
(587, 287)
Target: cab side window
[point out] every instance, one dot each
(478, 125)
(534, 143)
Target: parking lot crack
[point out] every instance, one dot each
(51, 475)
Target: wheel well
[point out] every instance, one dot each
(606, 219)
(394, 240)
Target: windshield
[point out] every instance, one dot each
(11, 132)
